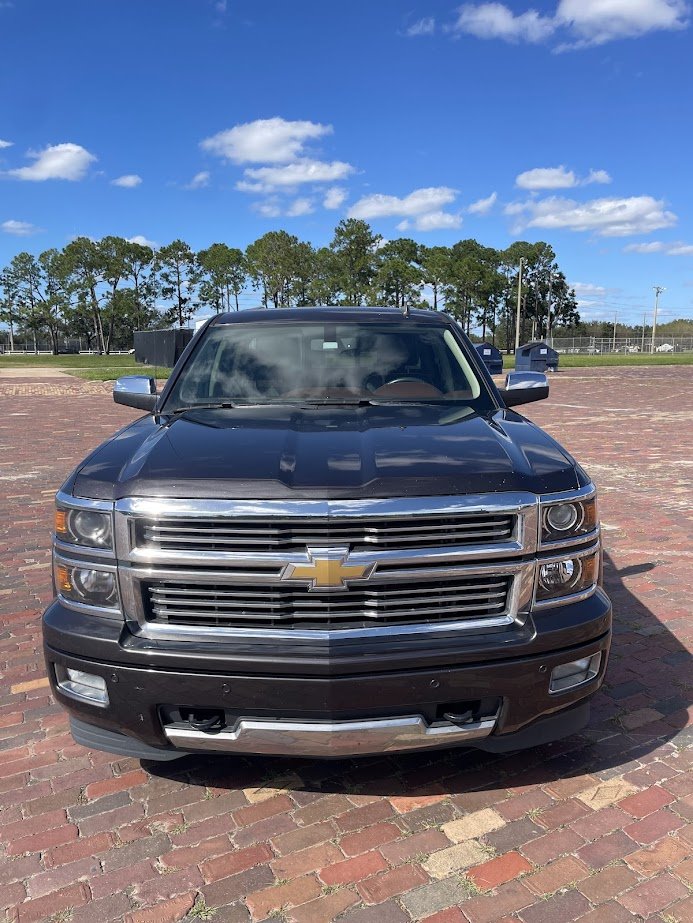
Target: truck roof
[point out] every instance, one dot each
(327, 313)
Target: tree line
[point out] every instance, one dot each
(101, 291)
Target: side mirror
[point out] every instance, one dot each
(524, 387)
(135, 391)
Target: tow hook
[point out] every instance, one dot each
(459, 718)
(200, 723)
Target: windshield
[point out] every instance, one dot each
(327, 363)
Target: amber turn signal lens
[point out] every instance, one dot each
(589, 523)
(590, 570)
(62, 578)
(61, 522)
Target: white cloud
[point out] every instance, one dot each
(495, 20)
(588, 290)
(143, 241)
(129, 181)
(425, 26)
(653, 246)
(19, 228)
(5, 144)
(558, 178)
(595, 22)
(264, 179)
(265, 140)
(58, 161)
(483, 206)
(546, 178)
(199, 180)
(610, 217)
(418, 202)
(299, 207)
(597, 176)
(582, 22)
(432, 221)
(334, 197)
(657, 246)
(268, 209)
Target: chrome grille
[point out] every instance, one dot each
(261, 606)
(213, 569)
(261, 535)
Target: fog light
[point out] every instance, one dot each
(568, 675)
(87, 687)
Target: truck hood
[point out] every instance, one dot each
(328, 452)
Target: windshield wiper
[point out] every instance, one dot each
(220, 405)
(333, 402)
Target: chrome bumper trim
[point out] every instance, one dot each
(324, 739)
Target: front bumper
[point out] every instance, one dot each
(384, 706)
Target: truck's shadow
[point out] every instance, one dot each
(648, 670)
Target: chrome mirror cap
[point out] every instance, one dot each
(137, 391)
(515, 380)
(524, 387)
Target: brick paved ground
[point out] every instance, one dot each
(597, 828)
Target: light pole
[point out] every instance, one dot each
(613, 345)
(658, 291)
(644, 321)
(519, 305)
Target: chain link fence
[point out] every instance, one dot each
(599, 345)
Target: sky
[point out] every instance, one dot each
(567, 121)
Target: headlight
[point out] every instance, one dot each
(568, 519)
(90, 528)
(567, 576)
(87, 584)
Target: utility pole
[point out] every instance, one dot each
(644, 321)
(547, 331)
(519, 305)
(658, 291)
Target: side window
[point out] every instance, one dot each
(197, 384)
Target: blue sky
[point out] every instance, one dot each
(567, 121)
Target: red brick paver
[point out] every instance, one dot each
(598, 827)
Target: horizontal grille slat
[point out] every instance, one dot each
(209, 535)
(223, 605)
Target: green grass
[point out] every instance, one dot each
(65, 362)
(573, 361)
(93, 368)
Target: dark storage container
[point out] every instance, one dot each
(161, 347)
(536, 357)
(491, 357)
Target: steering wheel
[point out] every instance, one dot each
(395, 381)
(374, 381)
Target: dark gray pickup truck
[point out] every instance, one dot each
(329, 535)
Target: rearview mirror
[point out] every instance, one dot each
(524, 387)
(135, 391)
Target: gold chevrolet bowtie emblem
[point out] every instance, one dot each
(327, 569)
